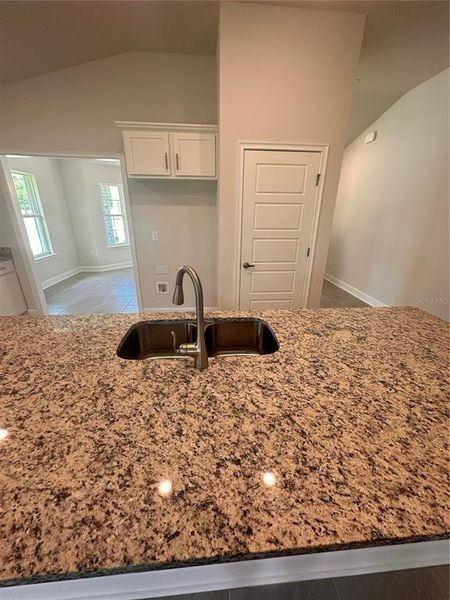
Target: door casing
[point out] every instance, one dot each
(243, 146)
(7, 188)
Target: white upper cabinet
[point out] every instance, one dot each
(195, 154)
(172, 151)
(147, 153)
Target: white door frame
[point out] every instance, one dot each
(243, 146)
(7, 188)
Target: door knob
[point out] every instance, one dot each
(247, 265)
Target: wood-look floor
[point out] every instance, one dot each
(431, 583)
(334, 297)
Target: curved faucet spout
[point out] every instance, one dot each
(198, 349)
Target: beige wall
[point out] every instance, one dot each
(286, 76)
(390, 235)
(74, 109)
(80, 179)
(53, 200)
(184, 215)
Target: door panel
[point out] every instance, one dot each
(275, 251)
(277, 179)
(279, 194)
(269, 304)
(272, 281)
(277, 216)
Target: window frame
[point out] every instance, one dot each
(122, 214)
(37, 215)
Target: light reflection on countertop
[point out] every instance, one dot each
(165, 487)
(269, 479)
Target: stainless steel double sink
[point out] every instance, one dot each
(160, 338)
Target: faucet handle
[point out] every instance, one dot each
(185, 349)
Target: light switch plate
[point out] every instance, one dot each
(160, 269)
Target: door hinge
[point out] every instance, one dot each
(317, 178)
(307, 252)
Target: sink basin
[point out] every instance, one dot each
(240, 336)
(153, 339)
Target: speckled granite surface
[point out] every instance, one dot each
(350, 416)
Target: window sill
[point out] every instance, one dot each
(39, 258)
(118, 246)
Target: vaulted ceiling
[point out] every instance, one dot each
(405, 42)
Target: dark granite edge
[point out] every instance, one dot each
(197, 562)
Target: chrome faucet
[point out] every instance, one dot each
(197, 349)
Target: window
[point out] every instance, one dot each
(114, 214)
(32, 214)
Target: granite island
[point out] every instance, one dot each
(349, 418)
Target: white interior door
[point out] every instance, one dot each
(279, 194)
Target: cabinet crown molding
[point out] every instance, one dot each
(170, 150)
(145, 126)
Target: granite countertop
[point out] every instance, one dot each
(349, 418)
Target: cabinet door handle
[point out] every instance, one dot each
(167, 161)
(177, 161)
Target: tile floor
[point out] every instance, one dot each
(431, 583)
(334, 297)
(114, 291)
(87, 293)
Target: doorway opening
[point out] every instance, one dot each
(74, 218)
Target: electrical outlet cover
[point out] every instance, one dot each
(162, 287)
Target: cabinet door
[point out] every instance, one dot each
(194, 154)
(11, 297)
(147, 153)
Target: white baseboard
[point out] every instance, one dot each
(61, 277)
(111, 267)
(222, 576)
(176, 309)
(87, 269)
(354, 291)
